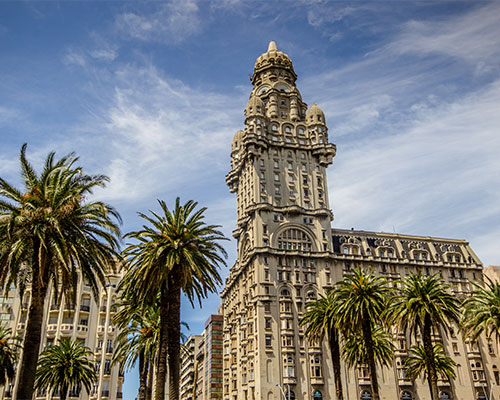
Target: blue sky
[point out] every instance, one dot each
(151, 93)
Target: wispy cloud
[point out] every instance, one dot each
(473, 37)
(172, 22)
(161, 133)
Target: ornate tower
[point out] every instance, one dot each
(278, 171)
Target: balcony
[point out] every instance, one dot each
(82, 328)
(101, 329)
(111, 329)
(52, 328)
(66, 328)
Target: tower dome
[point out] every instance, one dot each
(273, 58)
(315, 115)
(238, 137)
(255, 106)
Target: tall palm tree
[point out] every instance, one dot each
(9, 346)
(320, 321)
(425, 304)
(360, 301)
(354, 350)
(177, 252)
(139, 325)
(51, 233)
(64, 366)
(416, 364)
(482, 311)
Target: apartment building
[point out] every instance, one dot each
(88, 321)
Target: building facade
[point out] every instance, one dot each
(87, 320)
(288, 254)
(201, 366)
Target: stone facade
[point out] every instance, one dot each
(288, 254)
(87, 320)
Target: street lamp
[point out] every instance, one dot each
(282, 391)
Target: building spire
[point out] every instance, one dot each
(272, 46)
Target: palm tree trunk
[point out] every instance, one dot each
(141, 395)
(335, 351)
(367, 336)
(32, 337)
(174, 340)
(429, 358)
(64, 393)
(149, 386)
(161, 370)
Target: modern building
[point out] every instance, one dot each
(201, 366)
(189, 366)
(88, 320)
(288, 254)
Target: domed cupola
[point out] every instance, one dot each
(255, 107)
(315, 115)
(273, 59)
(237, 140)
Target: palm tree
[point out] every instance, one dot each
(50, 232)
(65, 366)
(9, 346)
(360, 302)
(178, 252)
(354, 350)
(423, 305)
(482, 311)
(320, 321)
(416, 364)
(139, 326)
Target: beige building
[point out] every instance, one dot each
(87, 321)
(288, 254)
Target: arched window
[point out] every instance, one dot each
(406, 395)
(311, 295)
(285, 293)
(294, 239)
(366, 395)
(317, 395)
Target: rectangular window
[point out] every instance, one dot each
(276, 177)
(290, 166)
(268, 340)
(276, 164)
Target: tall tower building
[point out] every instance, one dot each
(284, 238)
(288, 254)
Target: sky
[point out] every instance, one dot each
(151, 94)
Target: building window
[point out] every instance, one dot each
(268, 323)
(268, 340)
(316, 367)
(294, 239)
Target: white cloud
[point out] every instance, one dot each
(161, 133)
(104, 54)
(74, 57)
(172, 22)
(440, 176)
(474, 37)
